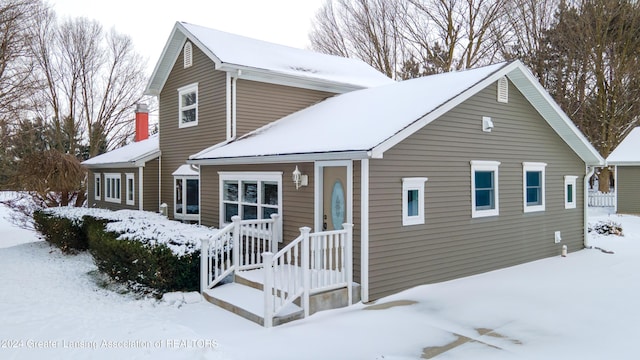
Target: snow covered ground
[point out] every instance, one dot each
(584, 306)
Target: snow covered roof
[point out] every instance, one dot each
(366, 123)
(628, 151)
(185, 170)
(131, 155)
(263, 61)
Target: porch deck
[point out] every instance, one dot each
(311, 273)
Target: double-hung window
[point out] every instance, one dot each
(97, 189)
(112, 187)
(413, 201)
(188, 106)
(130, 189)
(250, 195)
(484, 188)
(533, 179)
(570, 192)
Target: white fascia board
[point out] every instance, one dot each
(118, 165)
(525, 81)
(380, 149)
(173, 47)
(272, 159)
(147, 157)
(623, 163)
(277, 78)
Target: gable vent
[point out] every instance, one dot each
(188, 55)
(503, 90)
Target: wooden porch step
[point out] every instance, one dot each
(249, 303)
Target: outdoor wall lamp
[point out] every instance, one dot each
(299, 179)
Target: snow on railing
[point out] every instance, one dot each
(599, 199)
(249, 238)
(309, 264)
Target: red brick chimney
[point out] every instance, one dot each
(142, 122)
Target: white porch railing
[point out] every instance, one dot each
(599, 199)
(249, 238)
(311, 263)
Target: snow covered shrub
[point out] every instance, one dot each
(608, 227)
(152, 264)
(67, 234)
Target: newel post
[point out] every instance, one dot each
(267, 260)
(236, 241)
(204, 265)
(349, 260)
(275, 233)
(306, 272)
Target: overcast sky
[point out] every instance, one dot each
(149, 22)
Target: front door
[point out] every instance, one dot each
(334, 199)
(334, 202)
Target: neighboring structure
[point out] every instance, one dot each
(442, 177)
(127, 177)
(626, 159)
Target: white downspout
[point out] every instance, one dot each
(141, 188)
(364, 230)
(590, 171)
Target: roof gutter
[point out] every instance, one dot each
(286, 158)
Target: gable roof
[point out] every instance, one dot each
(366, 123)
(264, 61)
(132, 155)
(628, 151)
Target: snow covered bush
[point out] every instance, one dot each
(132, 247)
(62, 232)
(134, 262)
(608, 227)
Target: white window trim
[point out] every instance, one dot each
(481, 165)
(183, 90)
(117, 196)
(570, 180)
(533, 166)
(132, 188)
(409, 184)
(250, 176)
(184, 216)
(97, 186)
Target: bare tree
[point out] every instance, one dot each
(366, 29)
(93, 80)
(408, 38)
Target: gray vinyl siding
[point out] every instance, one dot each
(178, 144)
(451, 243)
(123, 188)
(151, 186)
(628, 189)
(297, 204)
(260, 103)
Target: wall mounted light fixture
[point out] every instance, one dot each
(299, 179)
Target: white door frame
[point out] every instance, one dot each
(318, 186)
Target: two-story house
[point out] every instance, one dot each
(443, 176)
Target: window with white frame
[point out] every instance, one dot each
(570, 192)
(112, 192)
(254, 195)
(413, 201)
(187, 197)
(484, 188)
(188, 105)
(97, 189)
(533, 186)
(130, 189)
